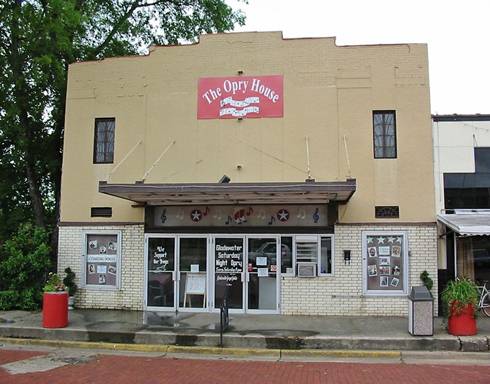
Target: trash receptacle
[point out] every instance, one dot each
(420, 312)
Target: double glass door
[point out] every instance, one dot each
(202, 273)
(177, 272)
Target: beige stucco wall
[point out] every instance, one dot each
(329, 95)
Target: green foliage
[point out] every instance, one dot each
(7, 298)
(54, 284)
(69, 281)
(24, 263)
(426, 280)
(458, 294)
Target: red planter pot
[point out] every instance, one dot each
(55, 309)
(462, 323)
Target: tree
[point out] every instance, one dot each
(38, 41)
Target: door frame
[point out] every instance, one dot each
(177, 282)
(212, 275)
(174, 273)
(277, 238)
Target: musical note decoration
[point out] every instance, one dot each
(316, 216)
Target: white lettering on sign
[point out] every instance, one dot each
(241, 86)
(265, 91)
(212, 94)
(235, 86)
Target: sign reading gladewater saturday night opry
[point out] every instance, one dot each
(240, 96)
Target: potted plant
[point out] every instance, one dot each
(460, 298)
(69, 282)
(55, 303)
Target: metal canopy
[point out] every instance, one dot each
(467, 224)
(232, 193)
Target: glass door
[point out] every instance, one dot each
(160, 257)
(228, 272)
(193, 290)
(263, 264)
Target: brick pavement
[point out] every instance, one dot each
(108, 369)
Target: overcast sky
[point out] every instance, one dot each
(457, 32)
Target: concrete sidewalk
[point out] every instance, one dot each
(246, 331)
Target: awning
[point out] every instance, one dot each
(467, 224)
(232, 193)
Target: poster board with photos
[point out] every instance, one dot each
(385, 263)
(101, 262)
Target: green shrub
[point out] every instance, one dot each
(426, 280)
(69, 281)
(460, 293)
(8, 299)
(24, 263)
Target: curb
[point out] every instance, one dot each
(237, 352)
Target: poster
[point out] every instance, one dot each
(384, 262)
(101, 259)
(262, 272)
(229, 255)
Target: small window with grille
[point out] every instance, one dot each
(101, 212)
(104, 140)
(387, 211)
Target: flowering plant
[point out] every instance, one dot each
(54, 283)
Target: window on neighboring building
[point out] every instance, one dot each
(384, 134)
(104, 140)
(482, 160)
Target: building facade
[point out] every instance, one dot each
(462, 170)
(289, 176)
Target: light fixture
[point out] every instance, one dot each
(224, 180)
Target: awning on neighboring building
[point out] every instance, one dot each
(467, 224)
(233, 193)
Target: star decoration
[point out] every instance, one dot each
(283, 215)
(196, 215)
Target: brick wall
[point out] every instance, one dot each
(342, 293)
(339, 294)
(131, 293)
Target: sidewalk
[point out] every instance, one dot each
(246, 331)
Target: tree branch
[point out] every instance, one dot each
(136, 4)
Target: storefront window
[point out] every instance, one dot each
(385, 263)
(325, 256)
(161, 267)
(287, 255)
(473, 258)
(193, 257)
(102, 259)
(314, 253)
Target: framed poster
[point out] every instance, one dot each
(101, 259)
(385, 263)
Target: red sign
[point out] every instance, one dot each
(240, 96)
